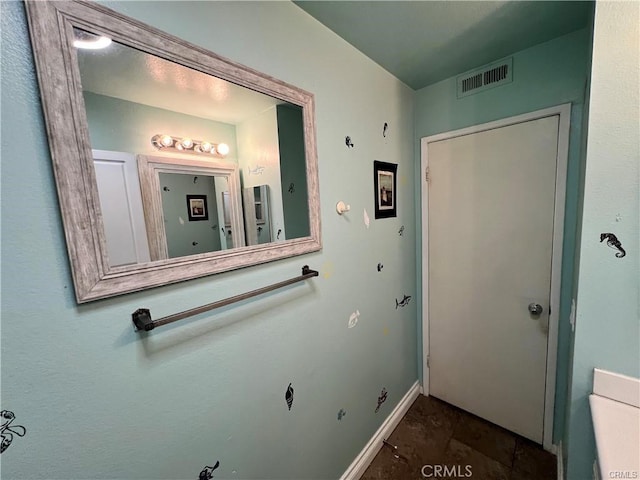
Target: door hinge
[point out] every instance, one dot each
(428, 361)
(427, 177)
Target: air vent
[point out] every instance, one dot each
(484, 78)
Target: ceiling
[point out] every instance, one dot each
(423, 42)
(128, 74)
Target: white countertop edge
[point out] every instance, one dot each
(617, 432)
(620, 388)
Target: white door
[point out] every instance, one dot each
(121, 206)
(491, 201)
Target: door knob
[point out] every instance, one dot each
(535, 308)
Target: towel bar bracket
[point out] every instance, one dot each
(142, 319)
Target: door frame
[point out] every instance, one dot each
(564, 113)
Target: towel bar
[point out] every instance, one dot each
(143, 321)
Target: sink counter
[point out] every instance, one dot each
(615, 412)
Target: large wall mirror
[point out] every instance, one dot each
(171, 162)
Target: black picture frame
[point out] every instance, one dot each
(197, 208)
(385, 189)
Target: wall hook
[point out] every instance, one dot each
(342, 207)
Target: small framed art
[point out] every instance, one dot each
(386, 196)
(197, 207)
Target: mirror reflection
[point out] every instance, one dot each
(191, 213)
(257, 210)
(140, 104)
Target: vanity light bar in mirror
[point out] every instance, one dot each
(162, 142)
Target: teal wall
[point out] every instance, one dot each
(607, 333)
(545, 75)
(100, 401)
(293, 173)
(124, 126)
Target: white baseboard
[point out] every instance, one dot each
(560, 461)
(370, 450)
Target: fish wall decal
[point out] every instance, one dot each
(404, 302)
(381, 399)
(348, 142)
(385, 129)
(207, 472)
(7, 431)
(613, 242)
(353, 319)
(341, 413)
(401, 231)
(257, 170)
(380, 267)
(292, 188)
(288, 396)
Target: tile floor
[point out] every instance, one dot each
(436, 433)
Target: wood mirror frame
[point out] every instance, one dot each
(51, 26)
(149, 169)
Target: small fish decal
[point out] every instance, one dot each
(385, 129)
(166, 189)
(259, 229)
(348, 142)
(353, 319)
(404, 302)
(279, 233)
(292, 188)
(288, 396)
(613, 242)
(207, 472)
(381, 399)
(257, 170)
(194, 243)
(341, 413)
(401, 231)
(366, 218)
(380, 267)
(7, 431)
(195, 179)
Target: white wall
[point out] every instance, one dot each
(258, 148)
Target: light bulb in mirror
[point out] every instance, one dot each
(205, 147)
(223, 148)
(166, 141)
(89, 41)
(187, 143)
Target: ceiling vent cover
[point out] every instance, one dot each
(484, 78)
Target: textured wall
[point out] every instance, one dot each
(548, 74)
(608, 320)
(98, 401)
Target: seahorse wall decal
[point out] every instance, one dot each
(613, 242)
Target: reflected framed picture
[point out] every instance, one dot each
(386, 196)
(197, 207)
